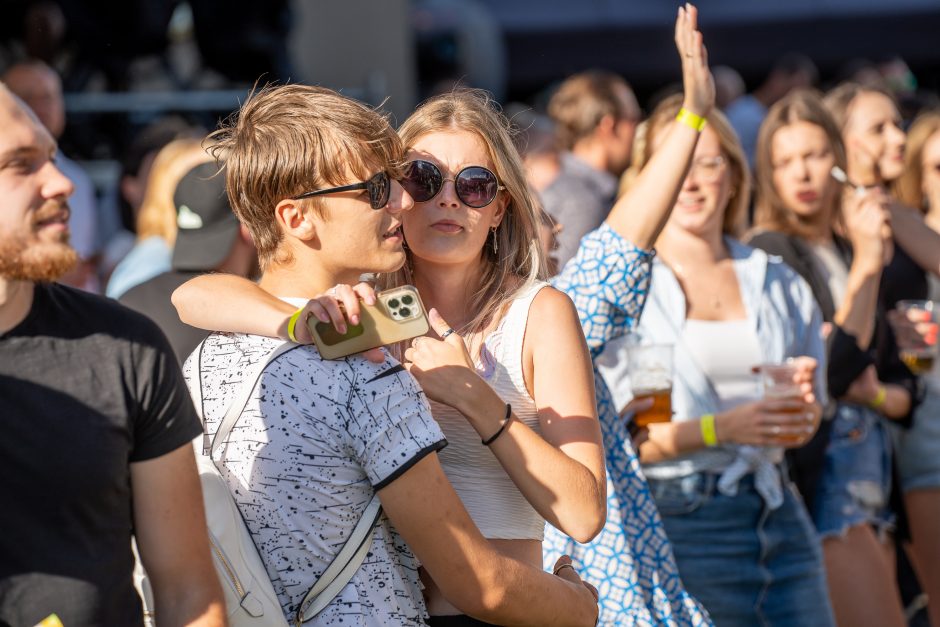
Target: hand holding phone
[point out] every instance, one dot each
(395, 315)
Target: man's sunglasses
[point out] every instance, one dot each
(379, 188)
(475, 185)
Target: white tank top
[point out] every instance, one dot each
(492, 499)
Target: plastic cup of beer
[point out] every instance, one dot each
(916, 334)
(650, 371)
(778, 384)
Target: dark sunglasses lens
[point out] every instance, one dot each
(380, 187)
(476, 186)
(422, 180)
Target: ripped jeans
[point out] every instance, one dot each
(856, 481)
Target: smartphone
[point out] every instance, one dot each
(397, 315)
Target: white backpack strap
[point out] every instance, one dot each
(237, 405)
(343, 566)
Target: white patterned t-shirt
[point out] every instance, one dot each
(316, 440)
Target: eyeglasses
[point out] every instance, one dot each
(708, 169)
(379, 188)
(476, 186)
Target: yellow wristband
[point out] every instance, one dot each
(292, 324)
(880, 398)
(691, 120)
(709, 435)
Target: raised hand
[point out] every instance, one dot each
(697, 81)
(868, 225)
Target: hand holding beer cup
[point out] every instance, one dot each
(650, 370)
(915, 329)
(794, 414)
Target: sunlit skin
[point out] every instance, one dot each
(802, 159)
(34, 223)
(353, 236)
(701, 203)
(444, 231)
(874, 140)
(930, 182)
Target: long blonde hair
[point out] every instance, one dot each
(909, 187)
(157, 215)
(519, 261)
(664, 114)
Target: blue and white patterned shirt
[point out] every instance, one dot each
(631, 560)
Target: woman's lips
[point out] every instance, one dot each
(808, 196)
(446, 227)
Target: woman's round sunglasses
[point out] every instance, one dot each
(476, 186)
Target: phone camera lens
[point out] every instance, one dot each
(393, 303)
(407, 299)
(404, 311)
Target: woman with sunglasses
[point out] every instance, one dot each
(510, 377)
(742, 538)
(838, 241)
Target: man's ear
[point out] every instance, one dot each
(295, 220)
(606, 127)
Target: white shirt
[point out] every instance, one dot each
(315, 442)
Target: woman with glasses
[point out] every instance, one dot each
(507, 370)
(838, 241)
(742, 538)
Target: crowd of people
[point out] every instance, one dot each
(505, 447)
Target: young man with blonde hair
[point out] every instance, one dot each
(312, 175)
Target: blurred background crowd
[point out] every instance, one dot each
(130, 90)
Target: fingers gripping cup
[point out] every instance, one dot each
(650, 371)
(915, 329)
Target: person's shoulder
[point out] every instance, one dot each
(552, 312)
(74, 314)
(142, 291)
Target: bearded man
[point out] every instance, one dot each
(96, 424)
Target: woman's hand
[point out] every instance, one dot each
(769, 422)
(337, 306)
(566, 571)
(868, 226)
(442, 366)
(697, 81)
(638, 434)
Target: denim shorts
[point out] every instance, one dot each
(747, 564)
(856, 479)
(917, 450)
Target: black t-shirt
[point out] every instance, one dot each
(152, 298)
(86, 388)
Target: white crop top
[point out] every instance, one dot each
(492, 499)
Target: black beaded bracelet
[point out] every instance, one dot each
(505, 424)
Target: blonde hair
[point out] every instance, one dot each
(839, 99)
(519, 255)
(665, 114)
(290, 139)
(157, 215)
(909, 187)
(802, 105)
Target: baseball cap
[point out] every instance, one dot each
(207, 227)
